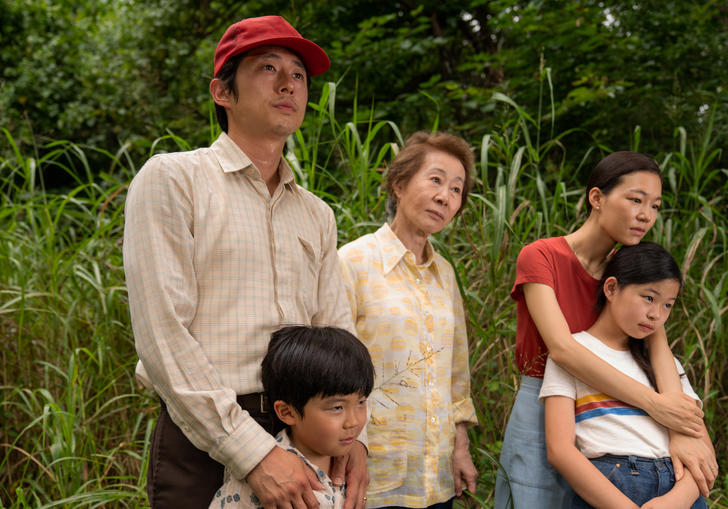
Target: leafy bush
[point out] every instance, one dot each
(107, 73)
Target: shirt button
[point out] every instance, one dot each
(432, 419)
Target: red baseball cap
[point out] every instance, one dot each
(269, 31)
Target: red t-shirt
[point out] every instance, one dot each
(551, 262)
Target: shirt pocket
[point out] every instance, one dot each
(308, 273)
(387, 437)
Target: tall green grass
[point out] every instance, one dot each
(75, 426)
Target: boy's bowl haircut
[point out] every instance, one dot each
(303, 362)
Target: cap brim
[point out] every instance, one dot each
(315, 59)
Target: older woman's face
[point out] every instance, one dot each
(432, 196)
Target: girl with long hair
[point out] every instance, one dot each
(611, 453)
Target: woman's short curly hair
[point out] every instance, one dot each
(411, 157)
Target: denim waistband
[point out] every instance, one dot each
(636, 462)
(611, 458)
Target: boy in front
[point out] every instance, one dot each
(317, 380)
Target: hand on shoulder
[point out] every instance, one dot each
(282, 479)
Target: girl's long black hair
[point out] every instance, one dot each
(642, 263)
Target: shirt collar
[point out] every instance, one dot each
(232, 158)
(284, 440)
(393, 251)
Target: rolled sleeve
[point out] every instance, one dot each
(243, 449)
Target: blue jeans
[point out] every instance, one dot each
(525, 479)
(641, 479)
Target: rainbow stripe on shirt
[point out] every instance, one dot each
(596, 405)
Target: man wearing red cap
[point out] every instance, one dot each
(221, 248)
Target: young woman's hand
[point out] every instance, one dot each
(698, 456)
(678, 412)
(463, 470)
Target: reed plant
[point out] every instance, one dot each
(75, 427)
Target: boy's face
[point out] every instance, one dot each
(329, 425)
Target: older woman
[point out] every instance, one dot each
(408, 310)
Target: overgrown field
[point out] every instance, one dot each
(74, 426)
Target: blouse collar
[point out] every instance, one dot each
(393, 251)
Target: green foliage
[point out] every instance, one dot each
(67, 361)
(122, 71)
(100, 72)
(337, 156)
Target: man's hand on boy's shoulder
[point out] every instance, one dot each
(282, 479)
(353, 467)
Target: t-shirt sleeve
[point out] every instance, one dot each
(557, 382)
(534, 265)
(687, 388)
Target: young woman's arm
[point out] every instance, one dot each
(683, 494)
(674, 410)
(697, 454)
(579, 472)
(663, 363)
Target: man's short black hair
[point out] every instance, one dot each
(304, 362)
(227, 76)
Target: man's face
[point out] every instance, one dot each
(272, 91)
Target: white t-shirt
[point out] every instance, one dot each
(605, 425)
